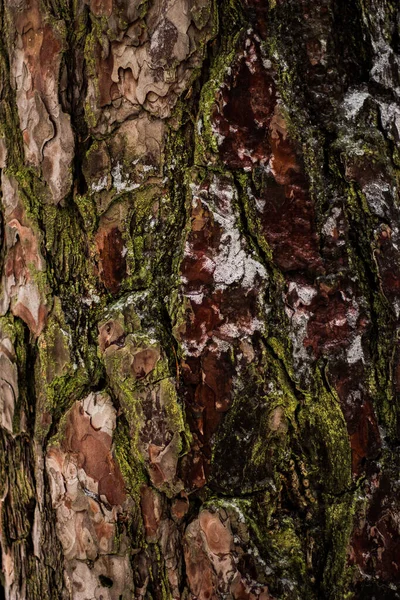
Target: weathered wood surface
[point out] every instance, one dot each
(200, 299)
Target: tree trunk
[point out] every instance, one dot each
(200, 299)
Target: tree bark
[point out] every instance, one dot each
(200, 299)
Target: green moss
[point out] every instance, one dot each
(230, 21)
(396, 159)
(14, 329)
(314, 433)
(8, 328)
(173, 409)
(131, 468)
(87, 209)
(322, 418)
(362, 260)
(339, 515)
(286, 548)
(251, 448)
(59, 380)
(205, 140)
(282, 348)
(25, 489)
(93, 38)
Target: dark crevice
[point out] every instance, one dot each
(105, 581)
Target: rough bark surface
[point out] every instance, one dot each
(200, 299)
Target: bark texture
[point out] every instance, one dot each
(200, 299)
